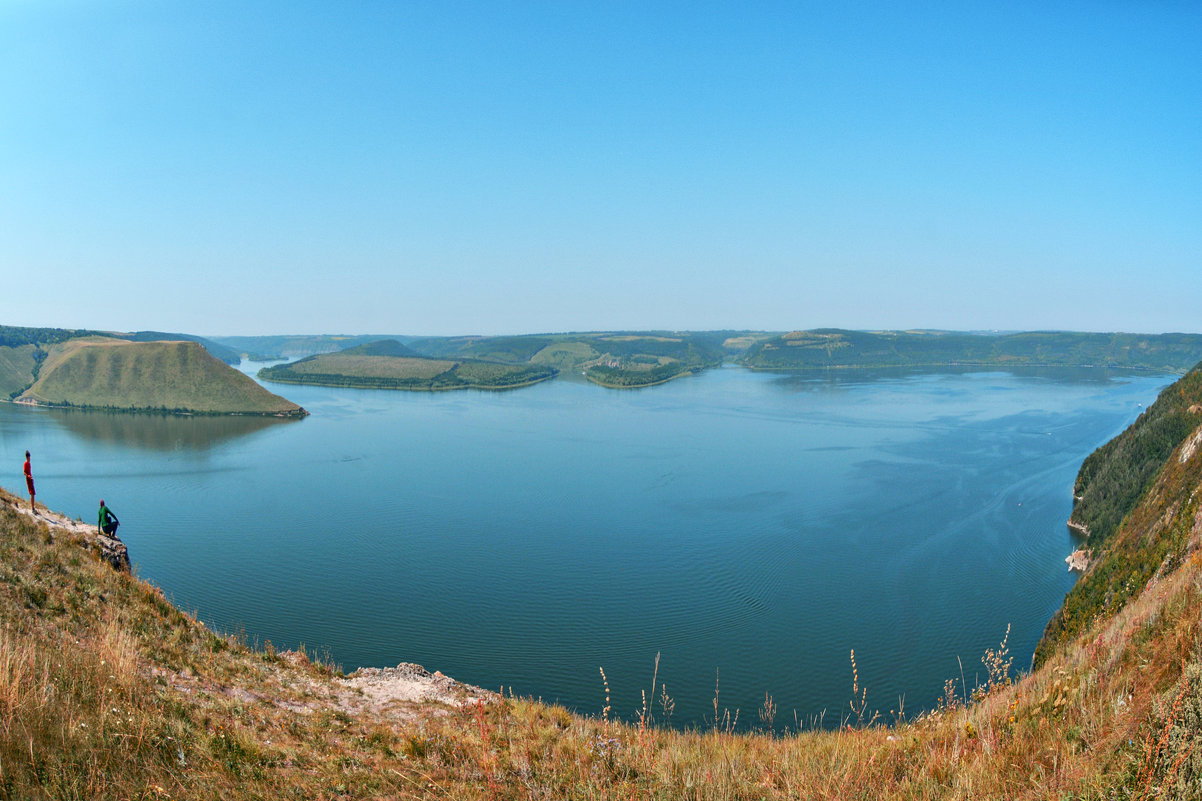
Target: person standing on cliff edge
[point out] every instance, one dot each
(29, 482)
(108, 521)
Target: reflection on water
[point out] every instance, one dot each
(162, 432)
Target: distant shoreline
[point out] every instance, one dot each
(349, 385)
(970, 365)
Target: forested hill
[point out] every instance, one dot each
(14, 336)
(226, 354)
(1135, 502)
(826, 348)
(390, 365)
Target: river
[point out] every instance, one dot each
(751, 528)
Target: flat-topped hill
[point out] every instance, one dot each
(103, 373)
(222, 352)
(390, 365)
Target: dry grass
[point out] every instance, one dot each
(374, 366)
(107, 691)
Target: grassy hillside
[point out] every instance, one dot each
(1135, 499)
(22, 350)
(103, 373)
(638, 359)
(12, 336)
(507, 349)
(390, 365)
(618, 359)
(17, 366)
(822, 348)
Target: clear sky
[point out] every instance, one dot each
(514, 167)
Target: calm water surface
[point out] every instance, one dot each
(754, 524)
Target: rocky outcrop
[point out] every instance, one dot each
(112, 550)
(109, 548)
(1191, 445)
(409, 682)
(1078, 560)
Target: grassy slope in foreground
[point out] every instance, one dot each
(107, 691)
(390, 365)
(802, 350)
(16, 369)
(103, 373)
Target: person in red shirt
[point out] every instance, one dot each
(29, 482)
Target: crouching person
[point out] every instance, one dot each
(108, 521)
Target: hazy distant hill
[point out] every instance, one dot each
(226, 354)
(295, 346)
(390, 365)
(97, 372)
(109, 687)
(619, 359)
(801, 350)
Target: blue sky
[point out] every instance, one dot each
(449, 167)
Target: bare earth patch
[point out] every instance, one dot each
(407, 683)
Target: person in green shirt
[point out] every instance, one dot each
(108, 521)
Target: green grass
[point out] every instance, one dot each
(632, 373)
(100, 373)
(353, 366)
(565, 355)
(16, 369)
